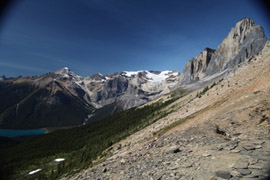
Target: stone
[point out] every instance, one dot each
(259, 142)
(236, 174)
(249, 147)
(231, 145)
(223, 174)
(244, 171)
(173, 167)
(122, 161)
(187, 164)
(254, 166)
(258, 146)
(253, 161)
(219, 148)
(255, 174)
(235, 151)
(158, 176)
(172, 149)
(241, 165)
(104, 170)
(206, 155)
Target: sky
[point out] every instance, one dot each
(108, 36)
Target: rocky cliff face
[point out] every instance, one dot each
(244, 40)
(195, 68)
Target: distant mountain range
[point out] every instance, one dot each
(63, 99)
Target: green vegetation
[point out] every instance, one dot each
(199, 94)
(79, 146)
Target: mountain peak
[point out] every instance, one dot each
(246, 21)
(243, 25)
(243, 41)
(64, 70)
(207, 49)
(97, 76)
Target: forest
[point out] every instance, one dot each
(79, 146)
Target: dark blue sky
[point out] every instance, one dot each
(107, 36)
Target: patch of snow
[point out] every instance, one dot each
(66, 68)
(35, 171)
(131, 73)
(59, 159)
(65, 76)
(78, 83)
(158, 77)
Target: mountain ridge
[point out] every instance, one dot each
(128, 89)
(243, 41)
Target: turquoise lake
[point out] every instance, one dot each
(15, 133)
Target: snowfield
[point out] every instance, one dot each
(158, 77)
(35, 171)
(152, 76)
(131, 73)
(59, 159)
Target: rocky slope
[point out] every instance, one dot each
(243, 41)
(221, 132)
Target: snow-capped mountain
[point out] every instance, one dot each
(62, 98)
(127, 88)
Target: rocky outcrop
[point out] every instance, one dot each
(195, 68)
(244, 40)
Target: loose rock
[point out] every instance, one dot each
(172, 149)
(223, 174)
